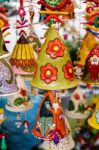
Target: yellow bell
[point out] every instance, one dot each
(22, 58)
(54, 69)
(93, 121)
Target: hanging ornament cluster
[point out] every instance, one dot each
(89, 52)
(54, 71)
(55, 8)
(22, 58)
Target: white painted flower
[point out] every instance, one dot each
(94, 60)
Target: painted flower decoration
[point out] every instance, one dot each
(94, 60)
(77, 96)
(23, 92)
(55, 48)
(68, 71)
(48, 73)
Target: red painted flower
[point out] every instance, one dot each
(68, 71)
(77, 96)
(23, 92)
(55, 48)
(48, 73)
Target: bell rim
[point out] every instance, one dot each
(55, 87)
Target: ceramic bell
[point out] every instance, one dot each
(51, 123)
(8, 84)
(88, 54)
(2, 116)
(19, 102)
(54, 68)
(22, 58)
(93, 121)
(77, 105)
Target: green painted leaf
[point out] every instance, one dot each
(71, 106)
(18, 101)
(81, 108)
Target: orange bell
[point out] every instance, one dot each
(50, 123)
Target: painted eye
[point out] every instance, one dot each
(76, 96)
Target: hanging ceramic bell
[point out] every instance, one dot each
(22, 58)
(51, 123)
(88, 54)
(93, 121)
(8, 84)
(2, 116)
(19, 102)
(54, 68)
(77, 105)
